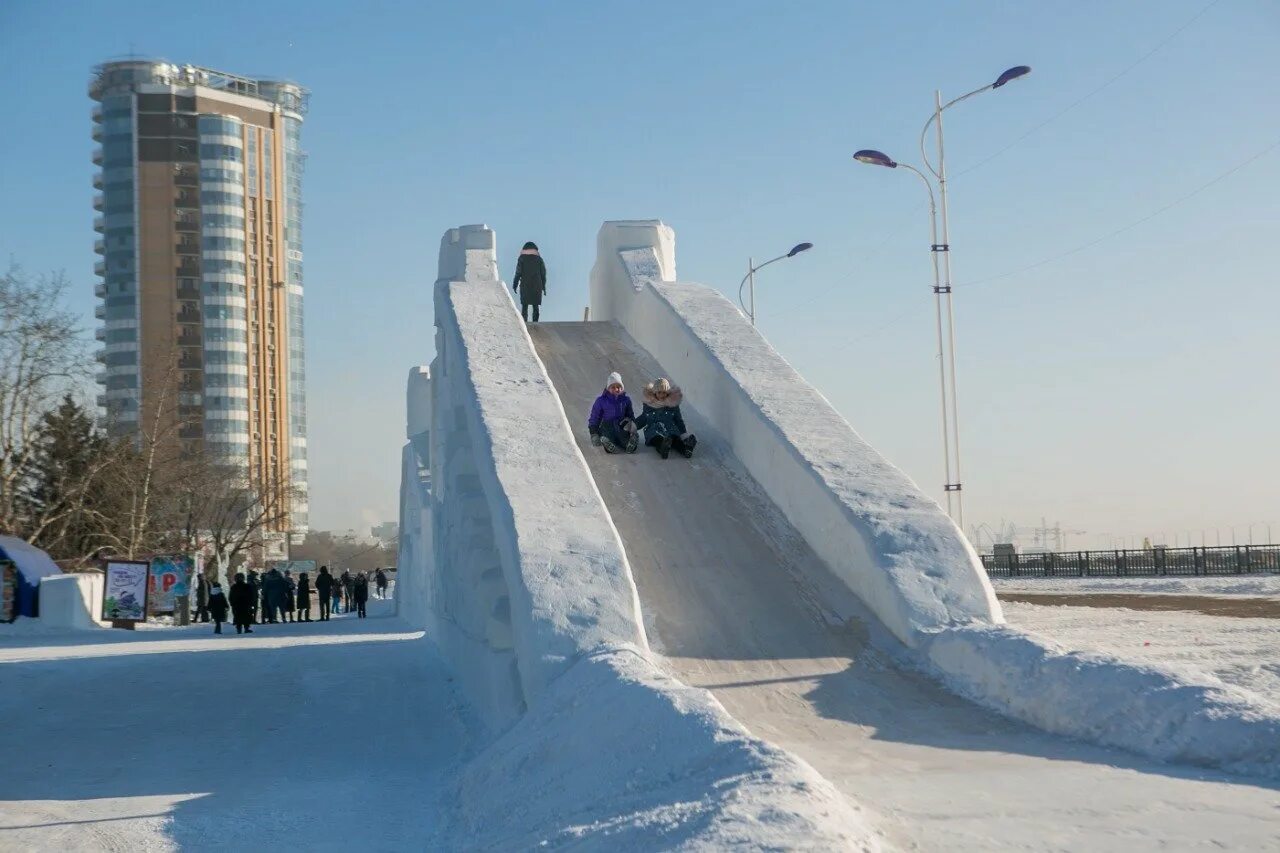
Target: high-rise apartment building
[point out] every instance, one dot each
(200, 231)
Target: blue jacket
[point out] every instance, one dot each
(662, 417)
(609, 408)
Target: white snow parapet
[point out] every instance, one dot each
(889, 543)
(527, 573)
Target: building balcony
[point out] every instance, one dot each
(188, 271)
(100, 267)
(191, 293)
(100, 333)
(97, 180)
(102, 401)
(100, 312)
(189, 317)
(97, 156)
(99, 289)
(100, 356)
(98, 224)
(97, 113)
(97, 132)
(191, 361)
(97, 201)
(187, 339)
(100, 377)
(100, 246)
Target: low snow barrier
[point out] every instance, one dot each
(71, 601)
(527, 572)
(618, 755)
(888, 542)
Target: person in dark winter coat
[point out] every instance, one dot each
(324, 591)
(381, 578)
(241, 599)
(217, 607)
(255, 583)
(348, 583)
(612, 422)
(662, 422)
(274, 591)
(202, 599)
(530, 280)
(360, 592)
(290, 595)
(304, 598)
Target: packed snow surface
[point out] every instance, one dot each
(1210, 650)
(1262, 585)
(620, 756)
(323, 736)
(739, 604)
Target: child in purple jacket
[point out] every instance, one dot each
(612, 421)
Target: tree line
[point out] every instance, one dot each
(82, 487)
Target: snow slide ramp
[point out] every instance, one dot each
(740, 604)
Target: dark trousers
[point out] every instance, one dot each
(217, 625)
(324, 607)
(524, 309)
(242, 622)
(360, 609)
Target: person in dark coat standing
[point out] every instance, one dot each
(304, 598)
(530, 280)
(255, 584)
(202, 598)
(348, 583)
(381, 579)
(360, 592)
(290, 595)
(241, 599)
(274, 591)
(217, 607)
(662, 422)
(324, 589)
(612, 422)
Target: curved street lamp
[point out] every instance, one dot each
(942, 276)
(751, 276)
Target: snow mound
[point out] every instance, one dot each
(1142, 708)
(618, 755)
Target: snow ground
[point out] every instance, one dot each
(1202, 649)
(179, 739)
(1260, 585)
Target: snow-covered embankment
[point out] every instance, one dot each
(527, 591)
(891, 545)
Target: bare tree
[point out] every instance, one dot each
(42, 356)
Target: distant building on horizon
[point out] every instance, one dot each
(200, 231)
(388, 532)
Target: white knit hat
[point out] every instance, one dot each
(615, 378)
(662, 386)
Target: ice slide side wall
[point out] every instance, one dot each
(527, 571)
(889, 543)
(893, 547)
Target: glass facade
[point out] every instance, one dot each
(294, 163)
(119, 270)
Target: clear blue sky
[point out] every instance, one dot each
(1129, 388)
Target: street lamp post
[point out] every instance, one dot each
(942, 275)
(752, 269)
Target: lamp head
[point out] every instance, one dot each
(874, 158)
(1012, 74)
(798, 248)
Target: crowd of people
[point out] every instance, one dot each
(275, 596)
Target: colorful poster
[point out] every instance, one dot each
(124, 595)
(171, 577)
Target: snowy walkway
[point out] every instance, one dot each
(717, 569)
(320, 736)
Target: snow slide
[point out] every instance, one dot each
(739, 603)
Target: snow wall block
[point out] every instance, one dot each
(71, 600)
(527, 572)
(889, 543)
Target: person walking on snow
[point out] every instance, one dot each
(360, 592)
(202, 598)
(662, 422)
(347, 583)
(242, 599)
(530, 280)
(217, 607)
(324, 591)
(304, 598)
(290, 594)
(612, 422)
(381, 578)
